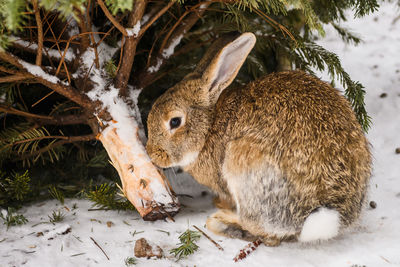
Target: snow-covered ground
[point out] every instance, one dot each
(374, 242)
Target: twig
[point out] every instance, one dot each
(383, 258)
(89, 22)
(94, 241)
(209, 238)
(70, 41)
(36, 224)
(77, 238)
(85, 40)
(71, 139)
(111, 18)
(59, 51)
(46, 120)
(10, 71)
(135, 233)
(198, 10)
(65, 90)
(98, 209)
(181, 26)
(43, 98)
(74, 255)
(155, 17)
(40, 33)
(13, 78)
(163, 231)
(247, 250)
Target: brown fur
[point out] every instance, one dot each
(274, 150)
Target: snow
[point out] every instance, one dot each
(167, 52)
(38, 71)
(118, 109)
(135, 30)
(373, 242)
(59, 230)
(145, 19)
(320, 225)
(69, 55)
(156, 67)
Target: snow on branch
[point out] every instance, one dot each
(69, 56)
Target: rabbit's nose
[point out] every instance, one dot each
(149, 148)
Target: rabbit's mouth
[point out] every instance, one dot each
(159, 157)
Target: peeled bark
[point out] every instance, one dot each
(143, 184)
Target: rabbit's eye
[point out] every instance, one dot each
(175, 122)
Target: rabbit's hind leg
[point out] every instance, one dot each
(225, 222)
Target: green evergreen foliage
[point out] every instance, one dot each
(65, 7)
(111, 68)
(14, 188)
(10, 14)
(130, 261)
(107, 196)
(56, 194)
(187, 245)
(119, 5)
(12, 219)
(56, 216)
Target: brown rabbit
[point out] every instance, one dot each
(285, 154)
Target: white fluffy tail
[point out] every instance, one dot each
(320, 225)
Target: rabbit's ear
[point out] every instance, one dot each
(224, 67)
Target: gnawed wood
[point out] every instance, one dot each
(143, 184)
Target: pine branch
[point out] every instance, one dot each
(187, 245)
(12, 219)
(50, 81)
(106, 196)
(15, 187)
(320, 58)
(56, 194)
(55, 144)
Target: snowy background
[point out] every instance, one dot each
(375, 241)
